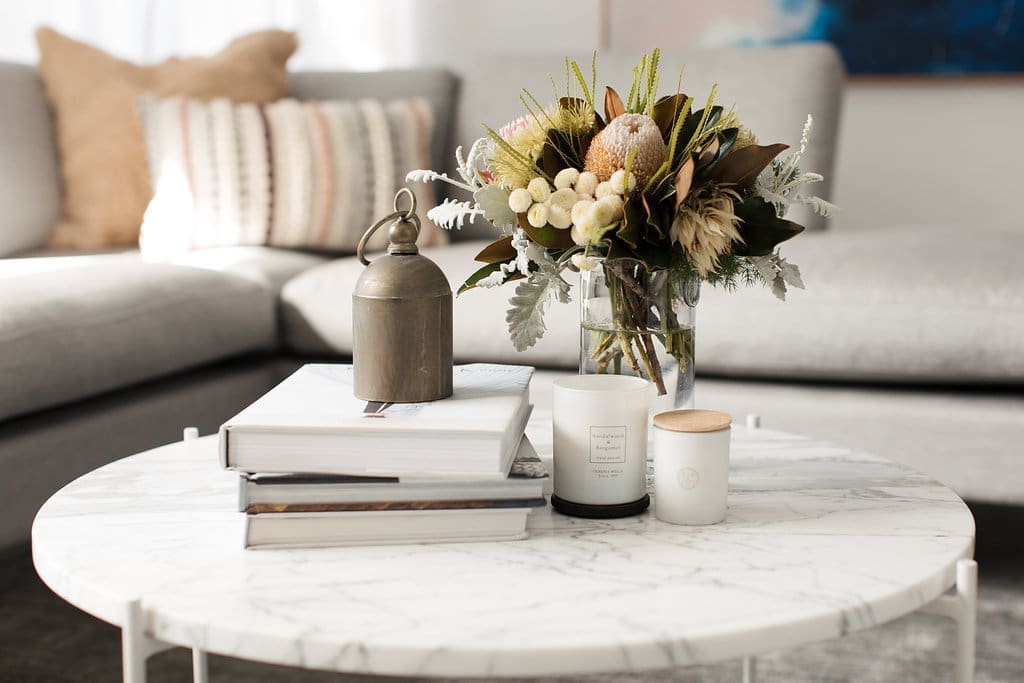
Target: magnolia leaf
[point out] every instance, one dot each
(500, 251)
(709, 152)
(525, 315)
(761, 228)
(666, 110)
(493, 202)
(743, 166)
(633, 221)
(612, 104)
(684, 179)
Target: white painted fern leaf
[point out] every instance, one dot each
(819, 206)
(423, 175)
(451, 214)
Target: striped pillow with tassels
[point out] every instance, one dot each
(305, 175)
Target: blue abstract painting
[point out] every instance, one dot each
(918, 36)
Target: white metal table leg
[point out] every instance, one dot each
(749, 669)
(136, 646)
(200, 668)
(961, 606)
(750, 663)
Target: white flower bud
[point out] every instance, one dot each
(601, 213)
(539, 189)
(559, 217)
(604, 189)
(582, 196)
(537, 216)
(566, 178)
(619, 184)
(579, 209)
(614, 205)
(586, 183)
(519, 200)
(563, 199)
(586, 231)
(584, 262)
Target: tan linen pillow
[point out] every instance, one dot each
(99, 135)
(308, 175)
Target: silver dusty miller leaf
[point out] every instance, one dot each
(525, 315)
(494, 202)
(790, 273)
(778, 273)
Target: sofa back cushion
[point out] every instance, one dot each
(308, 175)
(774, 89)
(438, 87)
(103, 160)
(30, 187)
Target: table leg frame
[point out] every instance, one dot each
(137, 647)
(961, 605)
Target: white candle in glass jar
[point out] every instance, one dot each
(691, 466)
(600, 444)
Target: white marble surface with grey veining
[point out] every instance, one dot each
(818, 542)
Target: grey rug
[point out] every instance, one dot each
(44, 639)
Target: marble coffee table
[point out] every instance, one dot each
(819, 542)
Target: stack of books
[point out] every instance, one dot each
(319, 467)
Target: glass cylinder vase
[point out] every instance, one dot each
(640, 323)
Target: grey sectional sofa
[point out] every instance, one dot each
(906, 343)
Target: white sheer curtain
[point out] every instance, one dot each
(333, 34)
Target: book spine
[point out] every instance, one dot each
(264, 508)
(222, 446)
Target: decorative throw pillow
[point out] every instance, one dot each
(93, 95)
(308, 175)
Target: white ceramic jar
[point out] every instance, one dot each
(691, 466)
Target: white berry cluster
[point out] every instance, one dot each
(578, 202)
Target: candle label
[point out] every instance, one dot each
(607, 444)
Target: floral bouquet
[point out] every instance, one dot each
(654, 194)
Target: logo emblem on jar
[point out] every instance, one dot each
(688, 478)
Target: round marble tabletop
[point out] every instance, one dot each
(818, 542)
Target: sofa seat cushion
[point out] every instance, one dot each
(265, 265)
(316, 313)
(106, 322)
(899, 305)
(905, 305)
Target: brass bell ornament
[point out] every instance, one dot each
(401, 318)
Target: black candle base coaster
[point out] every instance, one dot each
(600, 511)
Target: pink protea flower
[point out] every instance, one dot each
(513, 127)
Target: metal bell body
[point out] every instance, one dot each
(402, 325)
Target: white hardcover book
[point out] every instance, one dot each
(312, 423)
(301, 492)
(326, 529)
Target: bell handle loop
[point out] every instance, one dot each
(361, 247)
(411, 212)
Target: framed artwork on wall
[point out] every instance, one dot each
(874, 36)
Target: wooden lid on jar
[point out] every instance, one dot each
(692, 421)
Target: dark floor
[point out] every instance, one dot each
(42, 638)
